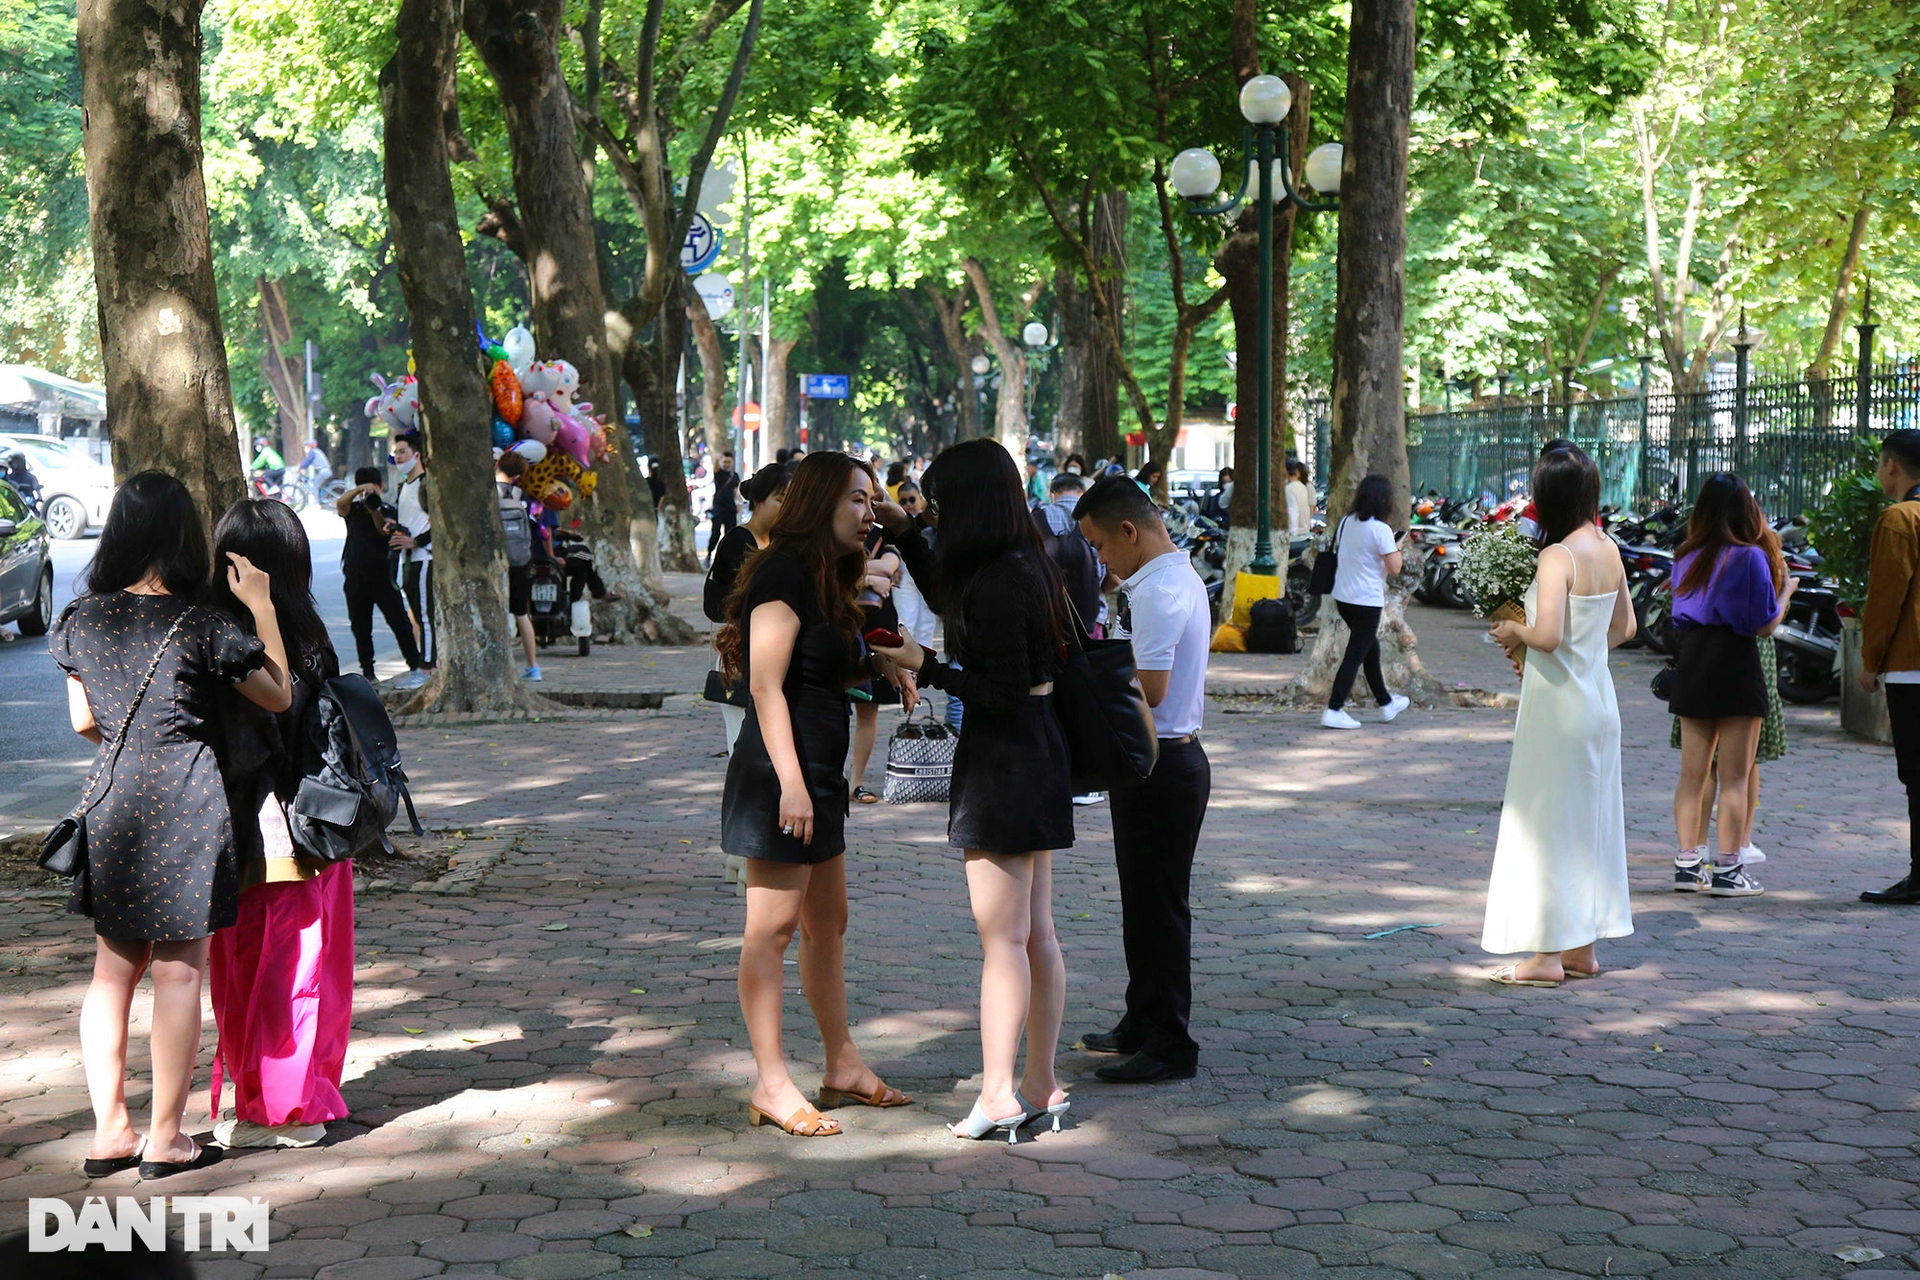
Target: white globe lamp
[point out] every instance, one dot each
(1196, 173)
(1323, 167)
(1265, 100)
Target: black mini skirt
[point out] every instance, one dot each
(1012, 791)
(750, 809)
(1717, 675)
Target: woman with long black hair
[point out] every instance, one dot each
(793, 634)
(1730, 586)
(282, 976)
(147, 667)
(1369, 554)
(1011, 802)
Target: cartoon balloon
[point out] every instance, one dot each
(532, 450)
(519, 347)
(536, 421)
(502, 432)
(567, 381)
(572, 439)
(507, 400)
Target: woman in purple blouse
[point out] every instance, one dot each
(1730, 586)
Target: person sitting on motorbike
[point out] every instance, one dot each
(267, 464)
(24, 481)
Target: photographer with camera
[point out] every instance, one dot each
(368, 577)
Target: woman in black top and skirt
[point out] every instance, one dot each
(1011, 801)
(793, 633)
(161, 872)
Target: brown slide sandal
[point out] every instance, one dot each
(884, 1095)
(803, 1123)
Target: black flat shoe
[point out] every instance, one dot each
(113, 1164)
(1901, 893)
(1144, 1068)
(201, 1158)
(1106, 1042)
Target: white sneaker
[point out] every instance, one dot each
(1395, 705)
(237, 1133)
(1752, 855)
(412, 680)
(1331, 719)
(1091, 797)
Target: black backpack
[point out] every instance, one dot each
(1079, 566)
(1270, 627)
(351, 782)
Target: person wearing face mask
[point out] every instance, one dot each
(411, 538)
(792, 634)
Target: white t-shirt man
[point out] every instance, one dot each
(1166, 616)
(1363, 547)
(412, 512)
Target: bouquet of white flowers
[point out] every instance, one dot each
(1496, 568)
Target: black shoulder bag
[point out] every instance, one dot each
(1103, 714)
(1326, 563)
(64, 851)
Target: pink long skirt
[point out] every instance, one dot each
(282, 980)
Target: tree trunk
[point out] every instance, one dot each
(1369, 411)
(517, 39)
(470, 604)
(169, 396)
(776, 397)
(949, 313)
(1076, 342)
(1102, 432)
(653, 371)
(285, 374)
(713, 375)
(1842, 290)
(1010, 410)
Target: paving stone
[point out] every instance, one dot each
(1369, 1109)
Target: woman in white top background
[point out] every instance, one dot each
(1299, 499)
(1369, 552)
(1559, 881)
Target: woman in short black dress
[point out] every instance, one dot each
(792, 632)
(1011, 802)
(160, 873)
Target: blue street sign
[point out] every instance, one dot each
(825, 386)
(701, 247)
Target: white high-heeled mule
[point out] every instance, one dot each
(979, 1124)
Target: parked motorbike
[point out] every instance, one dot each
(1306, 605)
(1807, 641)
(548, 608)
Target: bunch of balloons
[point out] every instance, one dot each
(534, 415)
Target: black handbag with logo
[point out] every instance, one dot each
(727, 690)
(64, 851)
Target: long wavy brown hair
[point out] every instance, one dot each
(804, 530)
(1726, 515)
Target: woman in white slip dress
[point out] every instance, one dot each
(1559, 880)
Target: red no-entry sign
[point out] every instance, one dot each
(747, 415)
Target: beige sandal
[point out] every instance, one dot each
(1505, 976)
(803, 1123)
(884, 1095)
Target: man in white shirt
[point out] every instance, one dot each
(1156, 823)
(411, 539)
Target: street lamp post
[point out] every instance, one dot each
(1264, 101)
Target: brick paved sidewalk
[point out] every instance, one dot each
(548, 1074)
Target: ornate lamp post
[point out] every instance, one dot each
(1264, 101)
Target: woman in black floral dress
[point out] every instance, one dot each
(160, 873)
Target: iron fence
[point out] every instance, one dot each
(1786, 436)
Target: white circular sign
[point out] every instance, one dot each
(717, 292)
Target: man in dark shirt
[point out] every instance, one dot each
(726, 504)
(366, 577)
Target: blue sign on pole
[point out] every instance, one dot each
(826, 386)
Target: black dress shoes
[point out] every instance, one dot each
(1901, 893)
(1106, 1042)
(1144, 1068)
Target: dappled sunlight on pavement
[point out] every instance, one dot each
(549, 1075)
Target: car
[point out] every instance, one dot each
(26, 565)
(75, 491)
(1194, 487)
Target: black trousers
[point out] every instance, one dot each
(1363, 650)
(365, 593)
(722, 524)
(418, 579)
(1156, 828)
(1903, 712)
